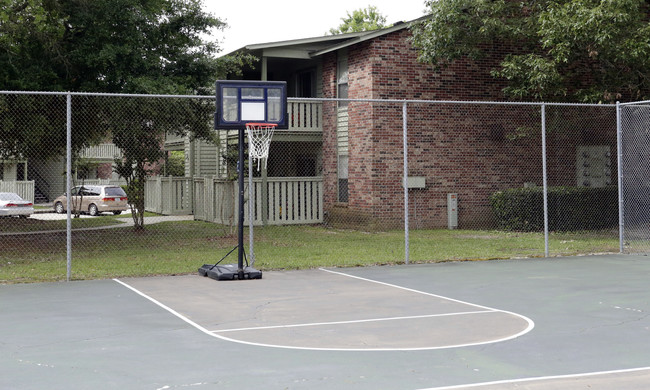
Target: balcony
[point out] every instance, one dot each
(305, 116)
(102, 152)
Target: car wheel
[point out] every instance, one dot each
(92, 210)
(58, 207)
(117, 212)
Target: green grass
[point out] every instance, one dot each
(14, 225)
(182, 247)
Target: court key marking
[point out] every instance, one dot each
(217, 333)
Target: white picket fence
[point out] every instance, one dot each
(24, 189)
(288, 201)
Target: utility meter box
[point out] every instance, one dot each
(593, 166)
(452, 211)
(416, 182)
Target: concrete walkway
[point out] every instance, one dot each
(126, 222)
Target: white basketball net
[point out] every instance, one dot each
(259, 140)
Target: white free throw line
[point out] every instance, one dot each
(530, 322)
(357, 321)
(541, 378)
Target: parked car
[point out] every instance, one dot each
(94, 200)
(11, 204)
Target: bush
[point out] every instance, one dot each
(569, 208)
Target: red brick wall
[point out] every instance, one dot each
(472, 150)
(330, 179)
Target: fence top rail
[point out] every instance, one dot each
(107, 94)
(292, 99)
(217, 179)
(475, 102)
(645, 102)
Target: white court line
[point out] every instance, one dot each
(530, 322)
(541, 378)
(530, 326)
(412, 290)
(356, 321)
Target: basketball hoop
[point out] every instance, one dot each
(259, 140)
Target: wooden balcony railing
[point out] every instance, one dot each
(305, 115)
(103, 152)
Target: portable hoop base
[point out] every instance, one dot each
(229, 272)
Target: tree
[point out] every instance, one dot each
(30, 36)
(578, 50)
(361, 20)
(82, 169)
(175, 163)
(139, 125)
(124, 46)
(121, 46)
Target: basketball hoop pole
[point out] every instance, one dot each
(240, 225)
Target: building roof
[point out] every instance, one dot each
(307, 48)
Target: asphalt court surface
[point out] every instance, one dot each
(321, 309)
(519, 324)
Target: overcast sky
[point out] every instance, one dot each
(260, 21)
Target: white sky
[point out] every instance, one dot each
(262, 21)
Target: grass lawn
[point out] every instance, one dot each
(182, 247)
(13, 225)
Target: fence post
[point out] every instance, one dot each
(619, 157)
(405, 184)
(68, 185)
(545, 180)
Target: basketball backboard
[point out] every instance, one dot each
(242, 101)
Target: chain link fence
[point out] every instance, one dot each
(337, 189)
(635, 174)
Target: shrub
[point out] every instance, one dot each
(569, 208)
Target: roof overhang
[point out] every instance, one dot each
(308, 48)
(370, 35)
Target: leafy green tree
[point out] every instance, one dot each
(119, 46)
(175, 163)
(578, 50)
(360, 20)
(31, 32)
(139, 125)
(125, 46)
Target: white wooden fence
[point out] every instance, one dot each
(297, 200)
(24, 189)
(168, 195)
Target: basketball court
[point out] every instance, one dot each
(577, 322)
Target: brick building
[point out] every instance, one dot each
(471, 150)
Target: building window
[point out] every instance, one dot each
(342, 81)
(343, 179)
(342, 126)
